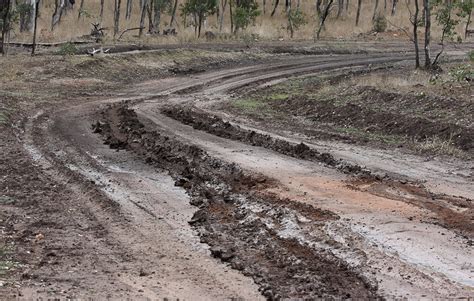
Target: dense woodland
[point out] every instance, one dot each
(450, 19)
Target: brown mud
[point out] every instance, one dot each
(412, 193)
(249, 229)
(217, 126)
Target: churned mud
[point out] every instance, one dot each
(413, 193)
(267, 238)
(217, 126)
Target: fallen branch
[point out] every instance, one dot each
(127, 30)
(95, 51)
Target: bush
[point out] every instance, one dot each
(380, 23)
(68, 49)
(463, 73)
(245, 14)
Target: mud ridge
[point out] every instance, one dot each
(217, 126)
(275, 241)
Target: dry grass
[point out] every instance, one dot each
(438, 146)
(266, 27)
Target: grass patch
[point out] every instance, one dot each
(378, 137)
(249, 105)
(3, 118)
(278, 96)
(6, 264)
(439, 146)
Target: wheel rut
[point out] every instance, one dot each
(265, 215)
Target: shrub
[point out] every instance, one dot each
(68, 49)
(380, 23)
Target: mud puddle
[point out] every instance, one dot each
(270, 239)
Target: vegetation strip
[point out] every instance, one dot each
(275, 241)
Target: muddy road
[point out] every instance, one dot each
(190, 206)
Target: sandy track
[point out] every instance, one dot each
(154, 225)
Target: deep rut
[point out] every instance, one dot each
(358, 246)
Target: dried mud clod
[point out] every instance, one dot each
(279, 243)
(217, 126)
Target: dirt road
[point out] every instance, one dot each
(317, 230)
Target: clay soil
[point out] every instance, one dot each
(212, 172)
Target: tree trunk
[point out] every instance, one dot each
(149, 10)
(173, 14)
(81, 8)
(318, 6)
(101, 14)
(30, 16)
(415, 35)
(394, 7)
(275, 8)
(221, 21)
(5, 10)
(201, 17)
(118, 3)
(35, 26)
(359, 4)
(427, 12)
(142, 17)
(231, 17)
(323, 17)
(60, 8)
(290, 24)
(156, 17)
(468, 22)
(340, 8)
(128, 12)
(376, 7)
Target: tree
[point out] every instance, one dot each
(448, 20)
(143, 10)
(128, 11)
(394, 7)
(465, 11)
(155, 8)
(340, 8)
(246, 11)
(5, 22)
(223, 4)
(275, 8)
(60, 8)
(359, 6)
(427, 15)
(323, 16)
(173, 13)
(25, 14)
(35, 26)
(296, 19)
(101, 13)
(376, 7)
(200, 9)
(117, 5)
(416, 21)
